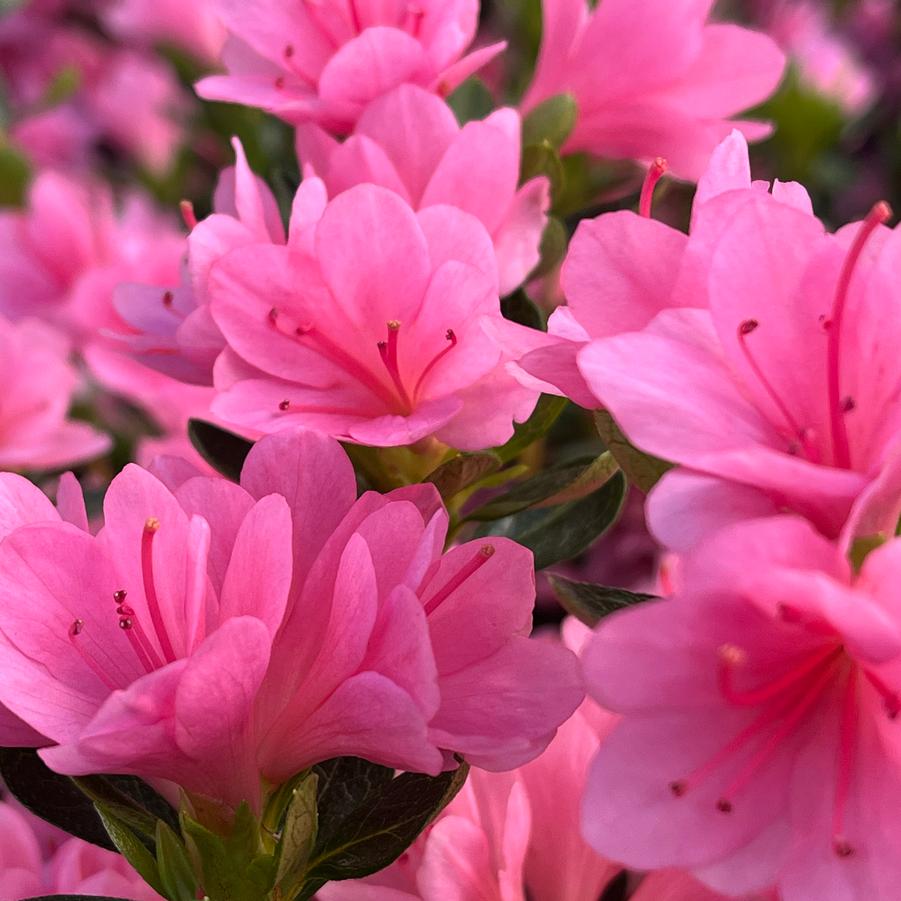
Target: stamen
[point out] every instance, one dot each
(279, 83)
(284, 405)
(450, 336)
(289, 51)
(476, 562)
(655, 172)
(151, 527)
(388, 353)
(844, 765)
(188, 215)
(129, 623)
(755, 697)
(75, 630)
(771, 746)
(880, 214)
(803, 435)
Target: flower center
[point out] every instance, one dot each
(786, 703)
(144, 648)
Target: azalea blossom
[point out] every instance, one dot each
(323, 60)
(213, 634)
(29, 869)
(371, 325)
(409, 141)
(653, 78)
(39, 384)
(758, 742)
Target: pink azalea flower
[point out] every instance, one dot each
(39, 384)
(370, 325)
(758, 742)
(324, 60)
(653, 79)
(409, 141)
(212, 634)
(193, 27)
(170, 328)
(623, 268)
(825, 62)
(75, 868)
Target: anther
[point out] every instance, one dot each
(120, 595)
(678, 788)
(76, 628)
(279, 83)
(842, 847)
(732, 655)
(748, 326)
(289, 51)
(724, 806)
(168, 297)
(655, 172)
(152, 525)
(284, 405)
(273, 315)
(187, 214)
(125, 623)
(848, 404)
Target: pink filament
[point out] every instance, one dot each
(75, 631)
(388, 353)
(654, 174)
(151, 527)
(452, 338)
(880, 213)
(476, 562)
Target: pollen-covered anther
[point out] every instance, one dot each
(151, 525)
(487, 550)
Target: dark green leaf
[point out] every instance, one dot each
(590, 603)
(518, 307)
(76, 898)
(462, 471)
(560, 533)
(223, 450)
(298, 836)
(554, 242)
(129, 799)
(642, 470)
(52, 797)
(175, 871)
(568, 481)
(368, 817)
(472, 100)
(235, 868)
(133, 849)
(552, 121)
(536, 426)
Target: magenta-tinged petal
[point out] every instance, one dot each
(70, 501)
(373, 256)
(729, 169)
(22, 502)
(454, 235)
(360, 160)
(259, 572)
(314, 475)
(414, 128)
(372, 63)
(620, 272)
(517, 239)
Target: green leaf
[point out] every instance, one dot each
(131, 801)
(64, 84)
(519, 307)
(52, 797)
(566, 482)
(76, 898)
(234, 867)
(552, 120)
(542, 159)
(368, 817)
(462, 471)
(554, 243)
(223, 450)
(642, 470)
(560, 533)
(590, 603)
(298, 836)
(14, 176)
(472, 100)
(536, 426)
(175, 870)
(132, 849)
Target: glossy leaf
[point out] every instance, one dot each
(368, 817)
(642, 470)
(560, 533)
(133, 849)
(590, 603)
(297, 836)
(176, 875)
(563, 483)
(471, 100)
(223, 450)
(462, 471)
(520, 308)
